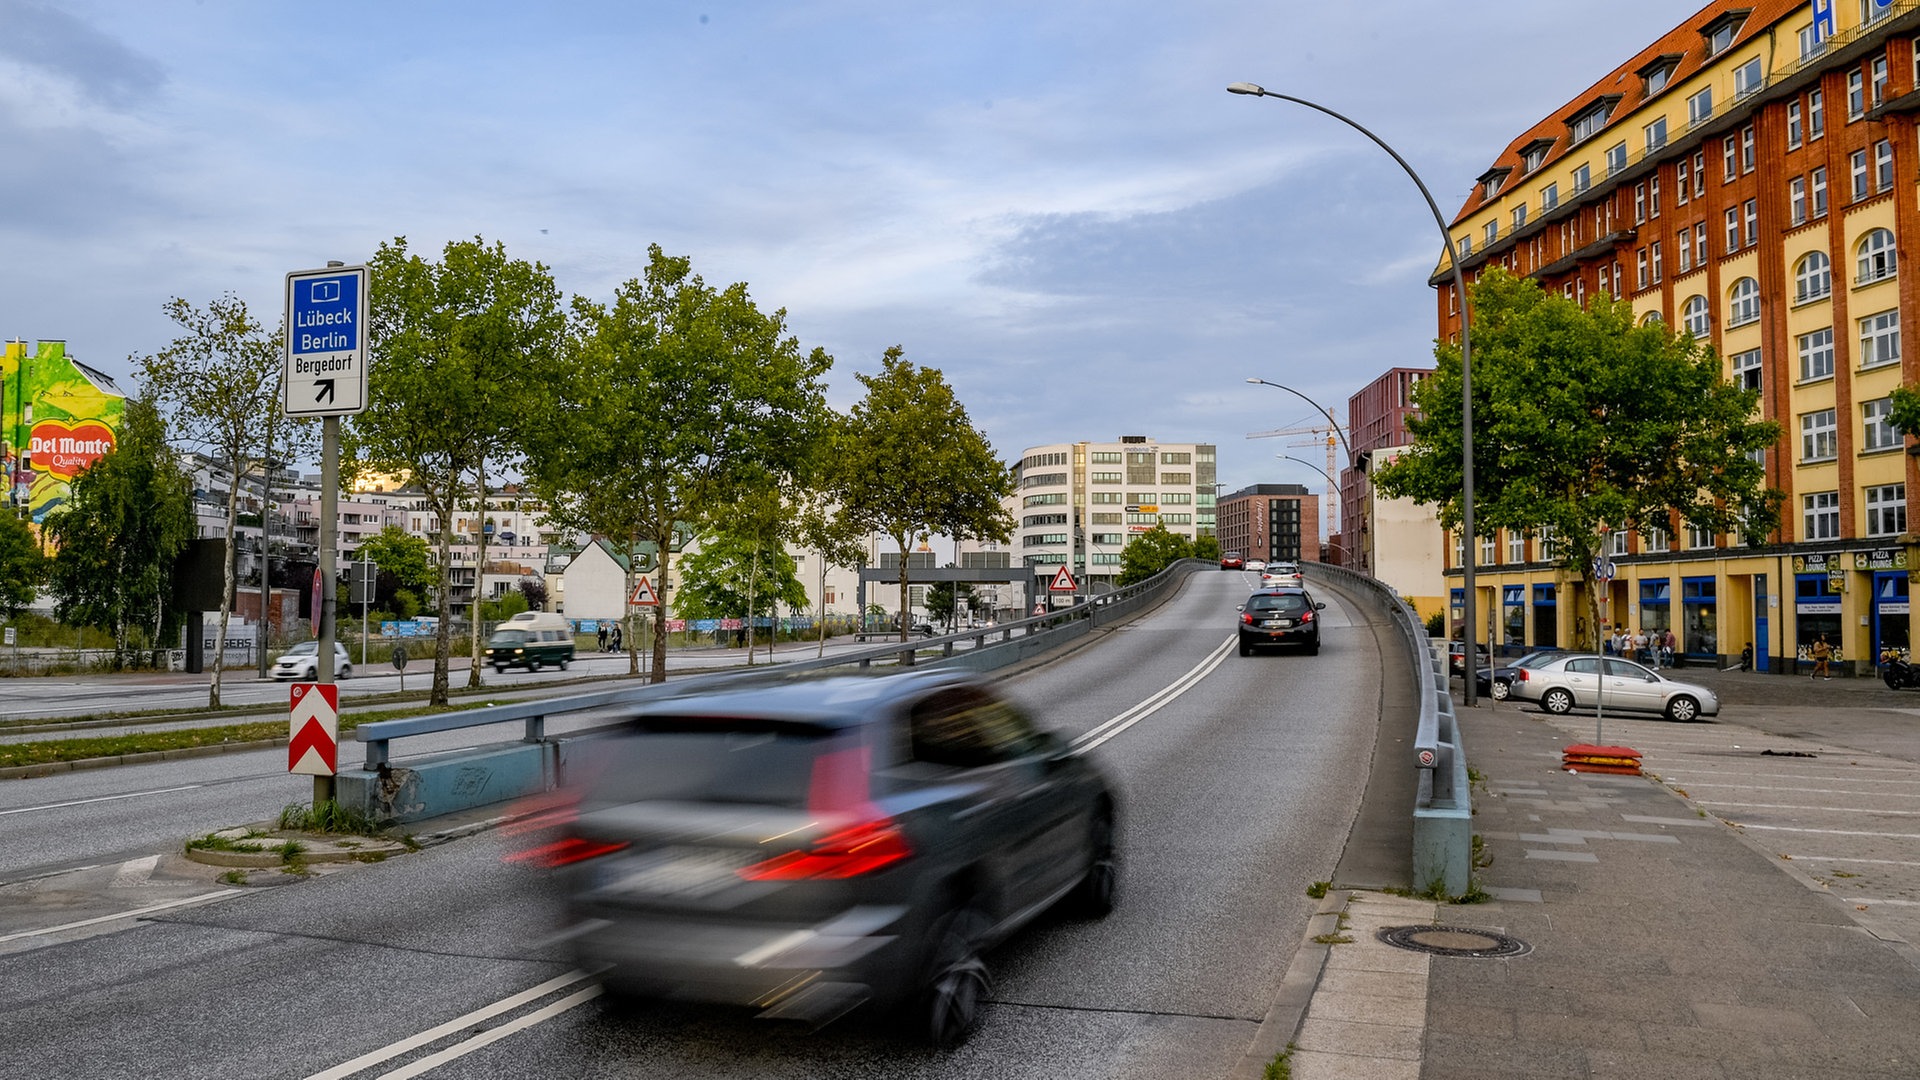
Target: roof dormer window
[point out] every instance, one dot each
(1588, 122)
(1491, 181)
(1721, 31)
(1534, 154)
(1655, 74)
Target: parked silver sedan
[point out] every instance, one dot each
(1579, 680)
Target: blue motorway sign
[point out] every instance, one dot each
(326, 373)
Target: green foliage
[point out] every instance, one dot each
(510, 604)
(717, 581)
(1905, 416)
(1206, 547)
(327, 816)
(402, 562)
(461, 352)
(943, 599)
(1437, 624)
(129, 516)
(910, 462)
(673, 400)
(22, 565)
(405, 604)
(1151, 552)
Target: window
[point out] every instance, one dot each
(1516, 546)
(1589, 123)
(1733, 229)
(1656, 133)
(1640, 268)
(1793, 124)
(1856, 95)
(1176, 457)
(1654, 251)
(1887, 510)
(1550, 197)
(1857, 168)
(1812, 277)
(1729, 158)
(1179, 479)
(1693, 318)
(1877, 257)
(1752, 209)
(1819, 436)
(1819, 178)
(1534, 157)
(1700, 242)
(1616, 158)
(1812, 41)
(1746, 369)
(1681, 182)
(1720, 38)
(1699, 108)
(1653, 196)
(1698, 537)
(1640, 203)
(1492, 233)
(1883, 165)
(1816, 354)
(1520, 216)
(1880, 339)
(1686, 250)
(1820, 518)
(1743, 302)
(1654, 538)
(1466, 246)
(1699, 174)
(1582, 178)
(1746, 78)
(1876, 81)
(1746, 149)
(1877, 432)
(1490, 185)
(1797, 200)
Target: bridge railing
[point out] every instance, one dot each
(1443, 805)
(465, 779)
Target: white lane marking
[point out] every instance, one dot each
(1871, 900)
(134, 872)
(1818, 790)
(203, 898)
(461, 1049)
(1795, 806)
(1154, 702)
(1845, 859)
(101, 799)
(1828, 832)
(459, 1023)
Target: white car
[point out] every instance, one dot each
(1566, 682)
(302, 662)
(1256, 565)
(1282, 575)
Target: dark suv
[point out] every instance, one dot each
(1280, 617)
(803, 847)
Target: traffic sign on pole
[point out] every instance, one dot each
(327, 342)
(1063, 582)
(643, 595)
(314, 735)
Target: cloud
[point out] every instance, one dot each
(55, 41)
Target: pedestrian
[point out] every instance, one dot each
(1668, 645)
(1637, 645)
(1746, 657)
(1822, 653)
(603, 636)
(616, 637)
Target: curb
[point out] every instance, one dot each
(1289, 1009)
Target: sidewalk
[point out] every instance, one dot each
(1744, 910)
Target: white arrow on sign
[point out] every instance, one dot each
(643, 595)
(1063, 582)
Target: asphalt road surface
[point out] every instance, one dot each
(1240, 778)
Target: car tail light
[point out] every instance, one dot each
(565, 851)
(1307, 617)
(1521, 675)
(850, 852)
(1246, 617)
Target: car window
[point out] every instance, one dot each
(509, 637)
(1584, 665)
(966, 728)
(1284, 604)
(1534, 660)
(305, 648)
(1626, 669)
(707, 760)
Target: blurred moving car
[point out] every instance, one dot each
(530, 640)
(1457, 658)
(302, 662)
(1232, 561)
(1497, 682)
(1280, 617)
(1256, 564)
(1577, 680)
(1282, 575)
(804, 847)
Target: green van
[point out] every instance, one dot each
(533, 640)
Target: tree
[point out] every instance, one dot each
(129, 517)
(402, 562)
(1206, 547)
(1584, 423)
(910, 462)
(738, 576)
(943, 599)
(23, 567)
(460, 349)
(221, 382)
(511, 603)
(675, 398)
(535, 593)
(1151, 552)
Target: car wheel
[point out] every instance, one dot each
(1683, 710)
(347, 672)
(1557, 701)
(1245, 649)
(1313, 647)
(1501, 690)
(562, 665)
(1093, 897)
(499, 669)
(958, 982)
(533, 664)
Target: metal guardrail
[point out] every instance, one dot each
(989, 648)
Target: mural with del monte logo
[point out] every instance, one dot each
(57, 416)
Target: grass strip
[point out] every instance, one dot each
(52, 751)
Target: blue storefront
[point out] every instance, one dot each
(1546, 623)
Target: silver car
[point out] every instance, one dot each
(1281, 575)
(1576, 681)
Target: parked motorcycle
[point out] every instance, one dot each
(1897, 672)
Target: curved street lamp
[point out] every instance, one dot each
(1335, 424)
(1315, 468)
(1466, 367)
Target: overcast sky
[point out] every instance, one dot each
(1057, 204)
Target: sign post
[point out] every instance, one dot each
(327, 349)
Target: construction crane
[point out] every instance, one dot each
(1320, 432)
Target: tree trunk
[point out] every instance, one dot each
(823, 603)
(753, 576)
(665, 542)
(905, 622)
(479, 576)
(443, 634)
(226, 590)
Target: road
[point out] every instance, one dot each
(1240, 779)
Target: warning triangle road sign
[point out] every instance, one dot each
(1063, 582)
(643, 595)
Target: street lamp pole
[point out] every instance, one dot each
(1335, 424)
(1466, 370)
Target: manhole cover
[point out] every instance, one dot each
(1453, 941)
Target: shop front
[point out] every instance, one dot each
(1700, 626)
(1546, 614)
(1819, 584)
(1656, 610)
(1513, 618)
